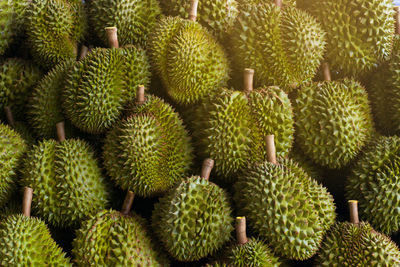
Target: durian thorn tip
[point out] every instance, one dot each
(27, 201)
(127, 205)
(9, 115)
(248, 77)
(61, 131)
(193, 10)
(206, 169)
(354, 211)
(270, 149)
(241, 230)
(112, 37)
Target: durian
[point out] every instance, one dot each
(194, 219)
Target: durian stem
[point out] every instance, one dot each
(326, 71)
(84, 52)
(61, 131)
(353, 211)
(112, 37)
(271, 150)
(248, 77)
(127, 205)
(241, 230)
(9, 115)
(27, 201)
(397, 9)
(140, 98)
(278, 3)
(208, 164)
(193, 10)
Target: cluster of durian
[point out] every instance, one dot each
(202, 111)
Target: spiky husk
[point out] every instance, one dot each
(27, 242)
(285, 206)
(101, 84)
(54, 29)
(284, 47)
(230, 127)
(359, 245)
(313, 170)
(193, 220)
(359, 33)
(112, 239)
(150, 151)
(333, 121)
(67, 182)
(188, 59)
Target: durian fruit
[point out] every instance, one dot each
(20, 127)
(333, 121)
(356, 243)
(359, 33)
(230, 126)
(193, 220)
(134, 19)
(12, 149)
(67, 180)
(26, 241)
(113, 238)
(284, 205)
(54, 29)
(313, 170)
(374, 178)
(218, 16)
(150, 151)
(283, 46)
(188, 59)
(99, 86)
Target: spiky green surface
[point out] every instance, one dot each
(112, 239)
(230, 127)
(54, 28)
(375, 183)
(17, 77)
(188, 59)
(150, 151)
(193, 220)
(283, 47)
(44, 108)
(313, 170)
(359, 33)
(11, 208)
(67, 181)
(12, 148)
(286, 207)
(216, 15)
(333, 121)
(101, 84)
(348, 244)
(27, 242)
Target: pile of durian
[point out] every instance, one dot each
(199, 133)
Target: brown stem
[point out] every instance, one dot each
(241, 230)
(126, 207)
(271, 150)
(208, 164)
(248, 77)
(27, 201)
(353, 211)
(397, 16)
(61, 131)
(193, 10)
(140, 98)
(278, 3)
(112, 37)
(326, 71)
(84, 52)
(9, 115)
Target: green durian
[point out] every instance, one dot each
(188, 59)
(150, 151)
(27, 241)
(313, 170)
(283, 46)
(194, 219)
(359, 33)
(134, 19)
(333, 121)
(54, 29)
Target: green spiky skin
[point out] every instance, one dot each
(188, 59)
(218, 16)
(27, 241)
(134, 19)
(17, 78)
(374, 179)
(67, 182)
(193, 220)
(359, 33)
(11, 208)
(54, 28)
(283, 47)
(150, 151)
(44, 107)
(231, 127)
(12, 148)
(333, 121)
(112, 239)
(359, 245)
(286, 207)
(101, 84)
(313, 170)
